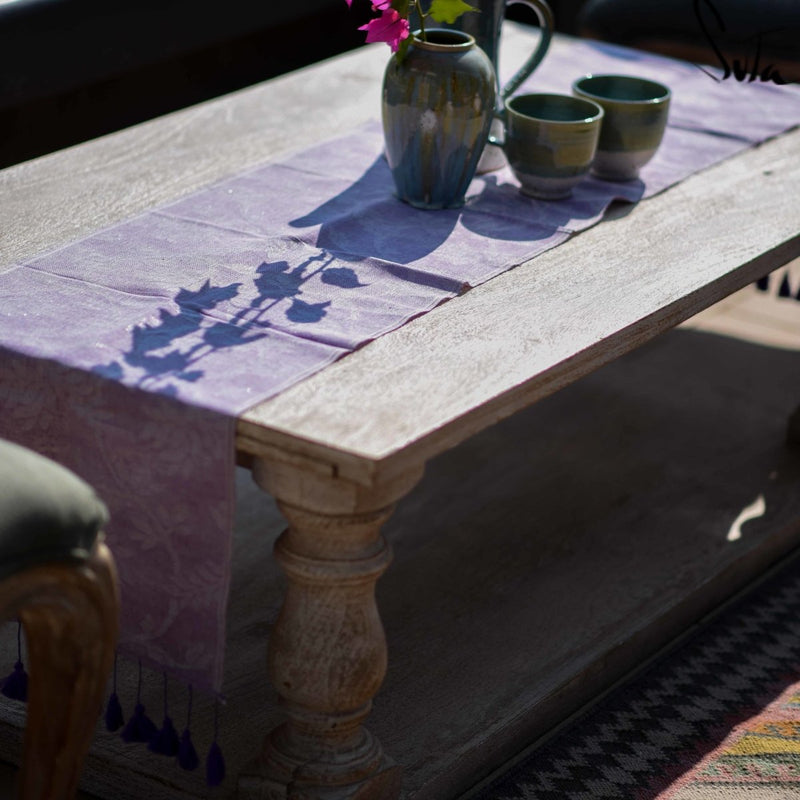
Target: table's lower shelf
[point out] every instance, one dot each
(534, 565)
(569, 542)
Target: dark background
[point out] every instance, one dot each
(72, 70)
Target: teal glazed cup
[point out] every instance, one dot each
(550, 142)
(636, 111)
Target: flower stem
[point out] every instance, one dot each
(421, 20)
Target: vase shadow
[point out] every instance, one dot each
(367, 220)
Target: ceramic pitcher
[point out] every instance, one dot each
(485, 26)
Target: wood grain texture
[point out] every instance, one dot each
(478, 358)
(56, 199)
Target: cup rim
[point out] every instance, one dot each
(663, 97)
(598, 115)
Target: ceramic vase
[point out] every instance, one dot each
(438, 104)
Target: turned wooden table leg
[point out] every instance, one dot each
(327, 652)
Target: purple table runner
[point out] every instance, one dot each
(128, 355)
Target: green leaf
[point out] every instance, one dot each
(448, 10)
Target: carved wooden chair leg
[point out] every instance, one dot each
(793, 429)
(69, 613)
(58, 578)
(327, 652)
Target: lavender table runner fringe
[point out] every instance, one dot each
(128, 355)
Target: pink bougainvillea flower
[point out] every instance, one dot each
(349, 2)
(389, 27)
(380, 5)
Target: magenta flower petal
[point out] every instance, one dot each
(390, 27)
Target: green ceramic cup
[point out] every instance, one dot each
(636, 113)
(550, 141)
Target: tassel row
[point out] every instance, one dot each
(139, 728)
(165, 740)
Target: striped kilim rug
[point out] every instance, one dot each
(717, 719)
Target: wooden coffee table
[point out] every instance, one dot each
(341, 448)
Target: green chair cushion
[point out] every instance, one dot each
(47, 513)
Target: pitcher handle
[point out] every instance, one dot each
(547, 24)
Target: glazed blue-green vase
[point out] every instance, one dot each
(438, 104)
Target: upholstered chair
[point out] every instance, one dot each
(57, 577)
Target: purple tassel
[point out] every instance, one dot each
(15, 685)
(140, 727)
(215, 763)
(187, 755)
(215, 766)
(114, 718)
(165, 742)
